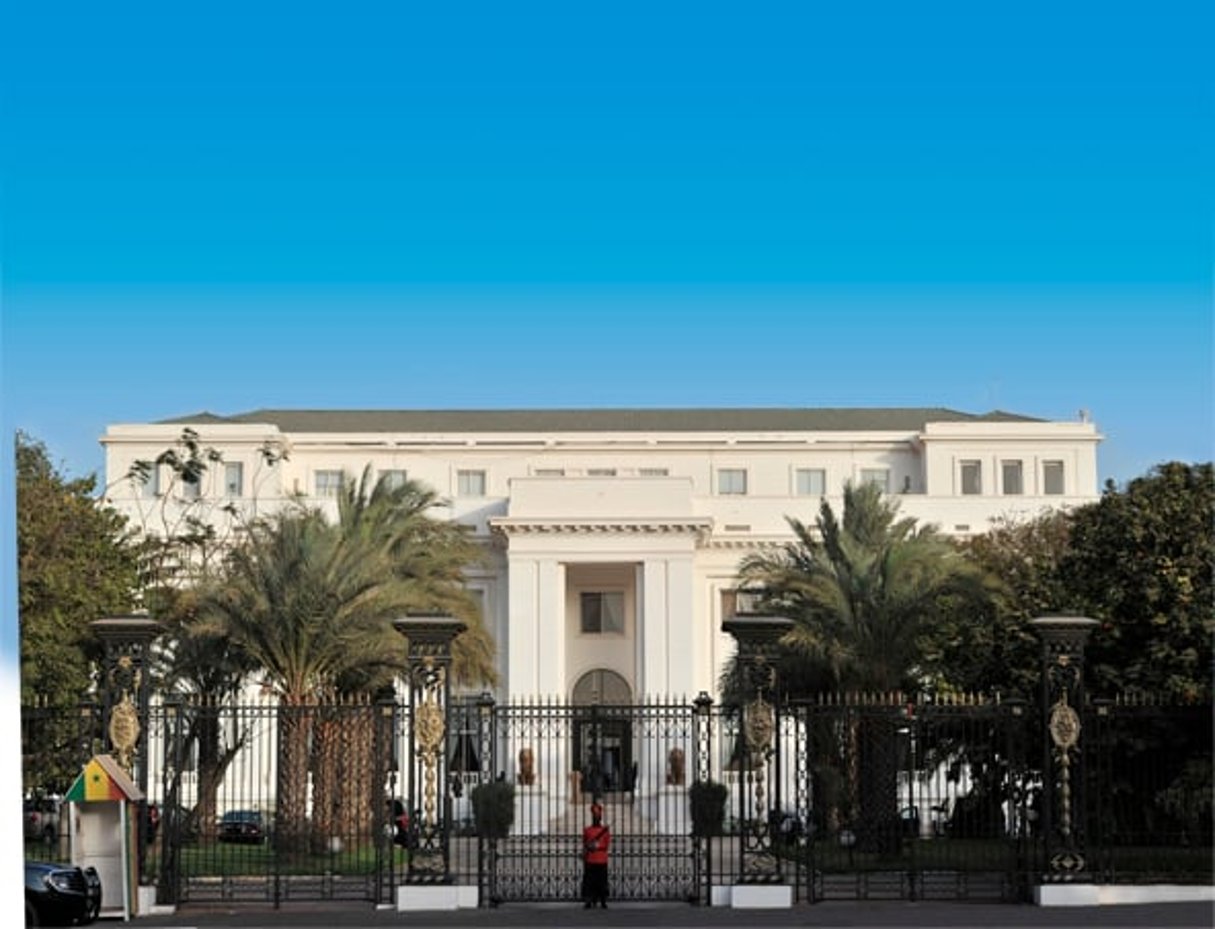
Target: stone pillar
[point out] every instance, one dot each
(757, 637)
(430, 639)
(1063, 807)
(125, 692)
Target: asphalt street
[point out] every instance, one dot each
(831, 915)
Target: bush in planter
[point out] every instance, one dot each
(708, 801)
(494, 809)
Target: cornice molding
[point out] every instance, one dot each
(735, 543)
(512, 526)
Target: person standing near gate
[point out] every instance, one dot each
(596, 843)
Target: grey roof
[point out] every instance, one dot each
(764, 419)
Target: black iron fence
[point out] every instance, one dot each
(857, 796)
(1150, 796)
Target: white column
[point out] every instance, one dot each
(523, 623)
(551, 630)
(652, 629)
(682, 626)
(668, 628)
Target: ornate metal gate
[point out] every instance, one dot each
(560, 758)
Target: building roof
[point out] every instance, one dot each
(764, 419)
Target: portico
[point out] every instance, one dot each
(600, 578)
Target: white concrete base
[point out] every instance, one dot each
(1114, 894)
(667, 809)
(531, 811)
(761, 896)
(411, 897)
(719, 895)
(148, 905)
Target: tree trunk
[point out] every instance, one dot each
(327, 778)
(358, 791)
(291, 824)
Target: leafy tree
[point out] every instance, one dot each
(1141, 561)
(75, 564)
(182, 536)
(979, 646)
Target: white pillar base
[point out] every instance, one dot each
(761, 896)
(413, 897)
(532, 811)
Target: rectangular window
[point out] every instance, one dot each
(732, 481)
(151, 486)
(810, 482)
(1010, 472)
(329, 483)
(393, 478)
(879, 476)
(1052, 477)
(972, 477)
(470, 483)
(601, 472)
(653, 472)
(602, 612)
(550, 472)
(234, 479)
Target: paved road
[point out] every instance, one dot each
(831, 915)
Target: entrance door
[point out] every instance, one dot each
(603, 736)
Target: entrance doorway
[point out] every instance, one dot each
(603, 734)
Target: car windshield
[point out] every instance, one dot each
(242, 816)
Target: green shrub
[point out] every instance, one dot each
(708, 801)
(494, 809)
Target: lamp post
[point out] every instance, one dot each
(1064, 825)
(429, 654)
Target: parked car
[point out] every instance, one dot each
(242, 826)
(60, 895)
(41, 819)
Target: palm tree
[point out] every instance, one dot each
(311, 602)
(862, 591)
(428, 557)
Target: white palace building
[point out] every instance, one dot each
(613, 536)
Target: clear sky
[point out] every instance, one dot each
(434, 205)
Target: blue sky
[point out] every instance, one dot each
(658, 204)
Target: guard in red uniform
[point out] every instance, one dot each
(596, 842)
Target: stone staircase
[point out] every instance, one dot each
(619, 813)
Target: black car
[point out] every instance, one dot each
(60, 894)
(242, 826)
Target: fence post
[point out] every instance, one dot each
(125, 692)
(702, 765)
(757, 637)
(171, 825)
(1064, 814)
(487, 846)
(429, 656)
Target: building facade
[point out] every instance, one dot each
(613, 537)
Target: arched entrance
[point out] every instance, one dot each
(603, 740)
